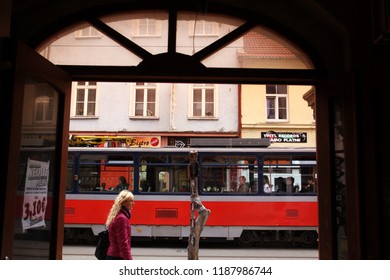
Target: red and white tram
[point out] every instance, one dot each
(158, 177)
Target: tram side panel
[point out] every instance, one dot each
(160, 184)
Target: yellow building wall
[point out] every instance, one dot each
(299, 119)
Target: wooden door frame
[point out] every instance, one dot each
(29, 63)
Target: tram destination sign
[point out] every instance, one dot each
(285, 137)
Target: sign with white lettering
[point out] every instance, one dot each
(35, 194)
(285, 137)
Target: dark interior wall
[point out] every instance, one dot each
(342, 38)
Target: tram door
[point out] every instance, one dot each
(35, 187)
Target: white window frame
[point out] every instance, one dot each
(276, 96)
(201, 25)
(86, 87)
(145, 87)
(203, 87)
(136, 23)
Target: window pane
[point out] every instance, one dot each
(80, 95)
(151, 95)
(282, 89)
(50, 110)
(270, 108)
(92, 95)
(282, 113)
(39, 112)
(209, 109)
(282, 101)
(151, 109)
(139, 109)
(209, 95)
(197, 95)
(197, 110)
(270, 89)
(139, 95)
(79, 109)
(91, 109)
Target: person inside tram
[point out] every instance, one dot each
(280, 185)
(290, 188)
(123, 185)
(243, 186)
(266, 184)
(309, 187)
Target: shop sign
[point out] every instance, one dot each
(285, 137)
(143, 142)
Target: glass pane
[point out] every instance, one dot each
(282, 113)
(209, 95)
(148, 29)
(92, 95)
(139, 95)
(197, 30)
(227, 174)
(80, 95)
(282, 101)
(270, 108)
(98, 173)
(151, 95)
(91, 109)
(39, 112)
(79, 109)
(37, 180)
(260, 48)
(164, 174)
(151, 109)
(270, 89)
(139, 109)
(197, 109)
(282, 89)
(68, 48)
(197, 95)
(209, 109)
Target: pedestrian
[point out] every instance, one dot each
(119, 227)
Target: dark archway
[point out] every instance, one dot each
(326, 41)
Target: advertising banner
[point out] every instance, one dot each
(35, 194)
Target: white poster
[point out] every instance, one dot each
(35, 194)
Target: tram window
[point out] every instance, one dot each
(105, 173)
(163, 174)
(71, 177)
(288, 174)
(221, 173)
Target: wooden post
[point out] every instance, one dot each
(196, 224)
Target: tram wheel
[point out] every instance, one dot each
(247, 239)
(308, 239)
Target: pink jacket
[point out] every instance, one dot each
(120, 236)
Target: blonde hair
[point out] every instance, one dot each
(116, 207)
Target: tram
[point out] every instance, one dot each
(158, 177)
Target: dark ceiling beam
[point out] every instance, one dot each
(188, 75)
(119, 38)
(225, 40)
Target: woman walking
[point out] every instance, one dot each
(119, 227)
